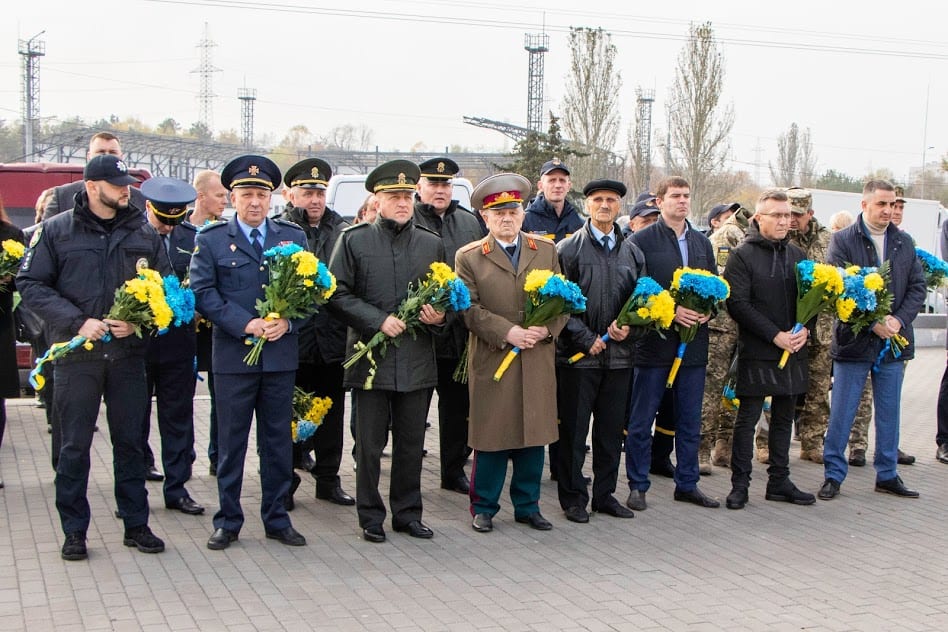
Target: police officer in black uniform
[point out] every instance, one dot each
(69, 275)
(457, 226)
(228, 273)
(323, 338)
(169, 365)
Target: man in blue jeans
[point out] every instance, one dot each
(871, 241)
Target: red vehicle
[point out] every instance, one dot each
(22, 182)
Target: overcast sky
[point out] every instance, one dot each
(856, 73)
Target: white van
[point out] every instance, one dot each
(346, 193)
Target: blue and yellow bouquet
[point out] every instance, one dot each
(865, 300)
(441, 288)
(700, 291)
(818, 287)
(936, 270)
(180, 299)
(308, 414)
(140, 301)
(549, 296)
(11, 254)
(299, 283)
(649, 307)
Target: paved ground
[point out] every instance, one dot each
(865, 561)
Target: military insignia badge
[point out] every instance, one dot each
(722, 256)
(556, 161)
(141, 264)
(440, 167)
(314, 172)
(35, 239)
(233, 247)
(253, 170)
(401, 178)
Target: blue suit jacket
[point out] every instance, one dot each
(227, 278)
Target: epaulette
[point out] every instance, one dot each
(188, 226)
(211, 226)
(474, 245)
(540, 239)
(287, 223)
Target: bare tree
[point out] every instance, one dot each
(591, 104)
(796, 162)
(699, 126)
(348, 137)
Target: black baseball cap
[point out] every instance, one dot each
(110, 168)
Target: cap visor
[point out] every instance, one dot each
(122, 180)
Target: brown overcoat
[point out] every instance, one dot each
(520, 410)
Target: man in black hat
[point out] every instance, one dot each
(323, 338)
(74, 264)
(643, 214)
(169, 365)
(606, 266)
(228, 274)
(719, 215)
(374, 265)
(435, 210)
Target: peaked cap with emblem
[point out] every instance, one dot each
(395, 175)
(168, 198)
(311, 173)
(439, 169)
(251, 171)
(501, 190)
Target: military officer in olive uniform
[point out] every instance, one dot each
(169, 365)
(228, 273)
(374, 265)
(435, 210)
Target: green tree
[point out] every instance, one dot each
(531, 152)
(168, 127)
(838, 181)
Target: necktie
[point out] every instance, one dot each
(606, 242)
(255, 242)
(511, 250)
(167, 241)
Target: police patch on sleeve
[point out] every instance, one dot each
(36, 236)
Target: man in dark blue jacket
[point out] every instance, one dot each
(606, 266)
(551, 214)
(228, 273)
(872, 240)
(669, 244)
(69, 275)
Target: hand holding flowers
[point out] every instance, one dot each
(697, 293)
(11, 254)
(818, 287)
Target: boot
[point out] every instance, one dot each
(704, 456)
(763, 455)
(815, 455)
(721, 456)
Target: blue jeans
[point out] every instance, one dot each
(849, 380)
(648, 388)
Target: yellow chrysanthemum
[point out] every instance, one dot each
(824, 273)
(13, 248)
(853, 269)
(844, 308)
(874, 282)
(536, 279)
(332, 287)
(150, 275)
(138, 288)
(318, 409)
(163, 314)
(308, 282)
(441, 273)
(643, 312)
(306, 263)
(293, 429)
(662, 309)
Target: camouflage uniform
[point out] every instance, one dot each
(717, 424)
(859, 436)
(812, 420)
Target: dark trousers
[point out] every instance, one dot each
(941, 438)
(408, 412)
(172, 384)
(212, 426)
(603, 394)
(239, 397)
(80, 387)
(453, 407)
(325, 380)
(782, 408)
(489, 472)
(648, 389)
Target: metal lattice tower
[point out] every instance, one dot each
(247, 96)
(643, 133)
(31, 50)
(206, 70)
(536, 44)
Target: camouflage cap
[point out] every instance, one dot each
(900, 194)
(801, 200)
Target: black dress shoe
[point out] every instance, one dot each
(857, 458)
(374, 533)
(186, 505)
(221, 539)
(536, 521)
(576, 513)
(905, 459)
(306, 463)
(288, 536)
(212, 469)
(736, 499)
(696, 497)
(482, 523)
(942, 453)
(829, 490)
(663, 468)
(460, 485)
(335, 496)
(152, 474)
(636, 500)
(897, 487)
(787, 492)
(289, 503)
(614, 508)
(416, 529)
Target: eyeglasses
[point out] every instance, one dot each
(778, 216)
